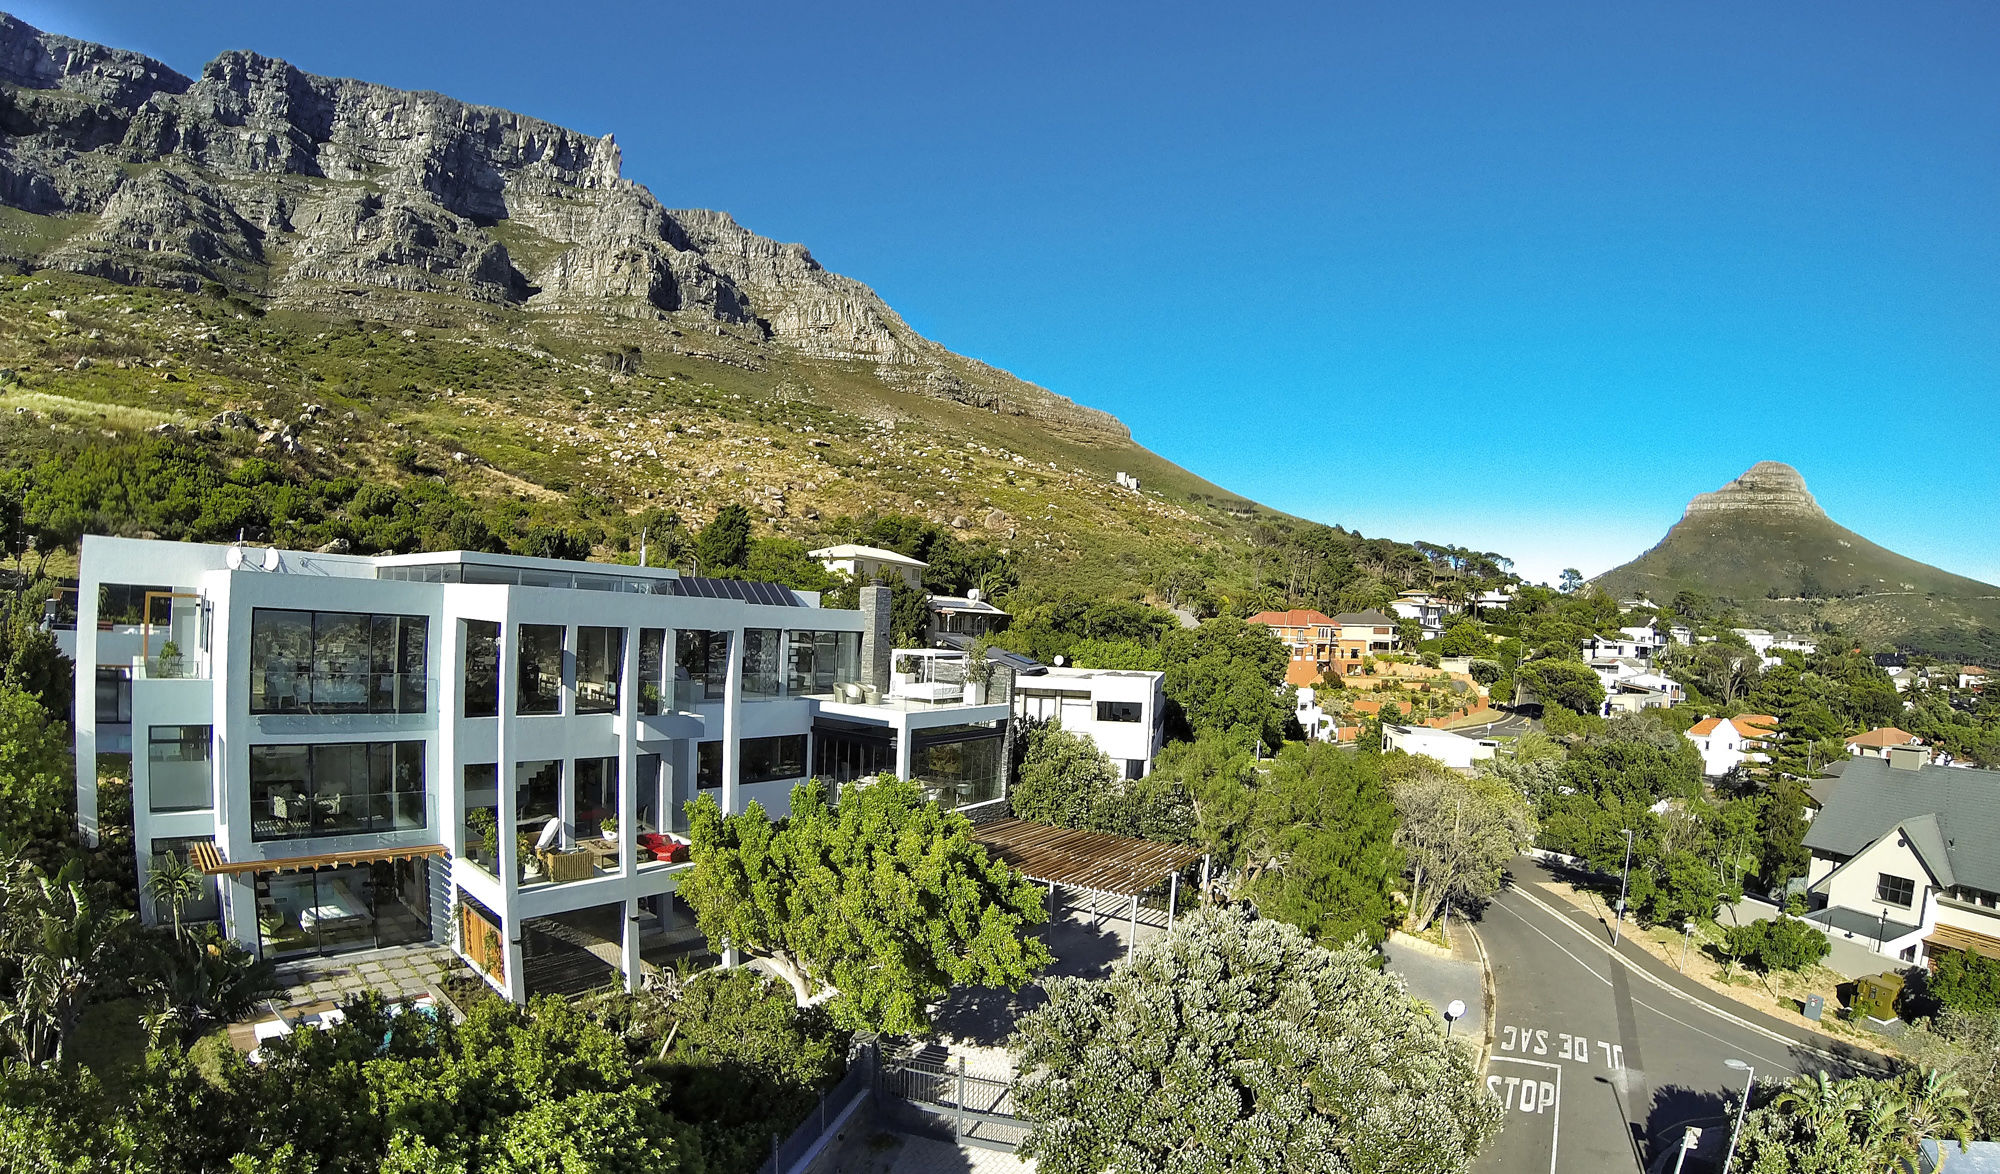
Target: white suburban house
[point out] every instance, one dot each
(478, 749)
(1319, 725)
(1768, 644)
(1725, 742)
(1906, 857)
(1427, 609)
(1620, 647)
(870, 564)
(1122, 710)
(1631, 685)
(1454, 750)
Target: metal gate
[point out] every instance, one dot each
(945, 1093)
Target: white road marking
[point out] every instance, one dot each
(1556, 1118)
(1656, 981)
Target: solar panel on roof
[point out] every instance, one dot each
(745, 590)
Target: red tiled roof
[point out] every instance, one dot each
(1883, 736)
(1296, 618)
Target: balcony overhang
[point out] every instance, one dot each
(210, 861)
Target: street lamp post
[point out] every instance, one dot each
(1687, 935)
(1749, 1075)
(1623, 881)
(1881, 924)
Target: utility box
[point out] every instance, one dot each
(1875, 996)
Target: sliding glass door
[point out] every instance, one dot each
(336, 910)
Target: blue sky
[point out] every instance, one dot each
(1524, 277)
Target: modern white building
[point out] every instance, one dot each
(1319, 725)
(1454, 750)
(869, 564)
(477, 749)
(1122, 710)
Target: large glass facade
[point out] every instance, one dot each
(708, 765)
(114, 696)
(655, 686)
(336, 790)
(537, 795)
(816, 661)
(702, 661)
(540, 665)
(178, 777)
(482, 668)
(337, 662)
(959, 765)
(128, 603)
(844, 752)
(335, 910)
(600, 663)
(763, 663)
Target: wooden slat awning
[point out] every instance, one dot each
(1094, 861)
(1951, 937)
(211, 862)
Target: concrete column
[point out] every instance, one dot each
(877, 640)
(905, 752)
(629, 956)
(86, 707)
(732, 723)
(504, 788)
(628, 755)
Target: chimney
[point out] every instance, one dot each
(876, 640)
(1907, 757)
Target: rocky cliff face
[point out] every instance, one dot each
(1770, 487)
(327, 193)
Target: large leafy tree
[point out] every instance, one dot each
(1063, 778)
(1458, 832)
(879, 905)
(1819, 1125)
(36, 782)
(1226, 677)
(1320, 852)
(1236, 1044)
(1568, 683)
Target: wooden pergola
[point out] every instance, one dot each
(1092, 862)
(210, 861)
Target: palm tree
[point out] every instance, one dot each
(1936, 1107)
(1820, 1106)
(71, 945)
(175, 881)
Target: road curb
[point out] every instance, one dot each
(1490, 994)
(1685, 996)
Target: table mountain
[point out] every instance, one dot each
(1764, 544)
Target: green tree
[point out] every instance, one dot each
(1458, 833)
(884, 901)
(1225, 677)
(37, 781)
(1964, 981)
(1782, 943)
(1063, 779)
(1320, 852)
(1572, 581)
(723, 546)
(1464, 638)
(1568, 683)
(175, 882)
(1194, 1055)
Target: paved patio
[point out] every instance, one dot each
(399, 973)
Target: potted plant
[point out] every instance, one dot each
(608, 828)
(978, 672)
(170, 659)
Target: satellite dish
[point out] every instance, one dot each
(1059, 662)
(973, 595)
(234, 558)
(270, 558)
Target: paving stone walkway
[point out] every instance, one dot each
(399, 974)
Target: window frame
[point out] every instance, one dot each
(1887, 883)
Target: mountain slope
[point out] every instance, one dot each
(1763, 543)
(485, 289)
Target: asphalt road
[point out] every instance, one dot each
(1511, 726)
(1600, 1068)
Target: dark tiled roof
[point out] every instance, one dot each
(1870, 798)
(1371, 616)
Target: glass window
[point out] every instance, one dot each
(480, 809)
(337, 662)
(654, 693)
(537, 795)
(205, 905)
(959, 765)
(702, 660)
(1119, 711)
(114, 696)
(337, 789)
(600, 662)
(1895, 890)
(843, 753)
(482, 668)
(767, 760)
(708, 765)
(126, 603)
(177, 768)
(596, 794)
(540, 663)
(816, 661)
(763, 666)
